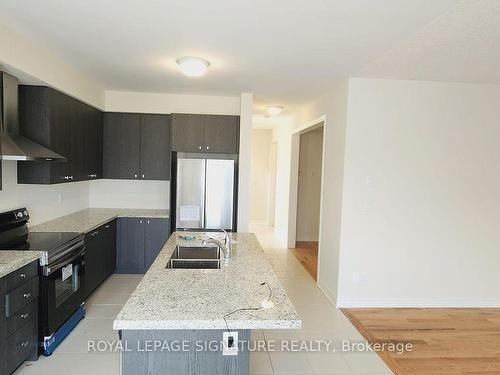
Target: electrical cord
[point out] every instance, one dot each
(249, 308)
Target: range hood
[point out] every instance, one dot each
(13, 146)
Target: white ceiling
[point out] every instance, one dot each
(284, 51)
(462, 45)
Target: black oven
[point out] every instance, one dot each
(62, 287)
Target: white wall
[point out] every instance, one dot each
(282, 137)
(309, 185)
(44, 202)
(129, 194)
(244, 162)
(260, 175)
(421, 207)
(330, 108)
(273, 161)
(143, 102)
(18, 54)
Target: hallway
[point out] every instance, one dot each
(306, 253)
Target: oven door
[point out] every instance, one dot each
(63, 286)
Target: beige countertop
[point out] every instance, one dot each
(11, 261)
(200, 298)
(86, 220)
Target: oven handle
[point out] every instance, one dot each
(48, 270)
(71, 248)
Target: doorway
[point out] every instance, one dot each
(307, 226)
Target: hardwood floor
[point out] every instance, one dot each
(306, 253)
(445, 341)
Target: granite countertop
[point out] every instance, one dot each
(198, 299)
(86, 220)
(11, 261)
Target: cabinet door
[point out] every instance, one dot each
(188, 132)
(92, 262)
(78, 114)
(222, 134)
(130, 245)
(109, 239)
(93, 144)
(122, 134)
(59, 107)
(157, 233)
(155, 147)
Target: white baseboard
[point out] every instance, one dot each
(417, 303)
(327, 292)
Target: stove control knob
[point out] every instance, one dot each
(25, 213)
(19, 214)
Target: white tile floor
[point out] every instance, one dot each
(321, 321)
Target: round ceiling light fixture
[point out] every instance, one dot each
(274, 110)
(192, 66)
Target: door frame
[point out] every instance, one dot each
(294, 184)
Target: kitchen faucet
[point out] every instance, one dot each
(226, 246)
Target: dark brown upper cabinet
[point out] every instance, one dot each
(205, 133)
(222, 134)
(65, 125)
(136, 146)
(155, 147)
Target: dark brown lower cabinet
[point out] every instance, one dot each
(18, 318)
(100, 255)
(139, 240)
(3, 356)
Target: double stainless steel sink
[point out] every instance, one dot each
(195, 257)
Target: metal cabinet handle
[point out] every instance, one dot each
(25, 344)
(107, 226)
(143, 176)
(22, 276)
(93, 175)
(135, 175)
(140, 221)
(25, 316)
(149, 222)
(68, 178)
(26, 295)
(95, 233)
(199, 147)
(208, 147)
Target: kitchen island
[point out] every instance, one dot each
(188, 306)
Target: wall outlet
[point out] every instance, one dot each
(358, 278)
(230, 343)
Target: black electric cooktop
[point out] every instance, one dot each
(40, 241)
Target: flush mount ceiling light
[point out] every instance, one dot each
(274, 110)
(193, 66)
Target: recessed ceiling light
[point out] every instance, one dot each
(274, 110)
(193, 66)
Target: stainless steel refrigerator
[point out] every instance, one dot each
(205, 192)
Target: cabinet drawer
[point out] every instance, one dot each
(19, 277)
(20, 346)
(20, 297)
(26, 314)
